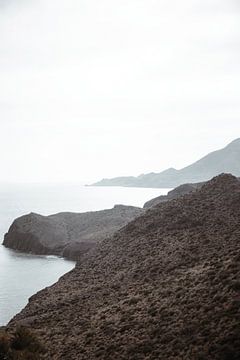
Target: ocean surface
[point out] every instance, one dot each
(23, 275)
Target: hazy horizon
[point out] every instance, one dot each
(93, 90)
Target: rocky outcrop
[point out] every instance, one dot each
(66, 234)
(215, 163)
(173, 194)
(166, 286)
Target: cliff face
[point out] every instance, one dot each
(225, 160)
(166, 286)
(66, 234)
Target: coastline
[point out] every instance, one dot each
(23, 275)
(20, 199)
(123, 302)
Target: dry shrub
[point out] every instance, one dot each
(21, 345)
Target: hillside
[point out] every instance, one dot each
(179, 191)
(67, 234)
(166, 286)
(222, 161)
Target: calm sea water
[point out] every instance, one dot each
(23, 275)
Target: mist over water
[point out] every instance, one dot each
(23, 275)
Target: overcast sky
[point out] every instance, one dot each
(101, 88)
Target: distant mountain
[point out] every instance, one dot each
(226, 160)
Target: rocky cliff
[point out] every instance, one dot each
(166, 286)
(66, 234)
(225, 160)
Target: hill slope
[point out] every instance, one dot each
(226, 160)
(179, 191)
(165, 287)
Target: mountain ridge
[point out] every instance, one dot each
(225, 160)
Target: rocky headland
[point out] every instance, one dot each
(166, 286)
(67, 234)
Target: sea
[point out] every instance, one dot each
(22, 275)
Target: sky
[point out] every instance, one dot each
(92, 89)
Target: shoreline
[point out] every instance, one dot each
(23, 275)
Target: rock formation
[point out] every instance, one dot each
(222, 161)
(166, 286)
(66, 234)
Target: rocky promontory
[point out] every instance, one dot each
(67, 234)
(166, 286)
